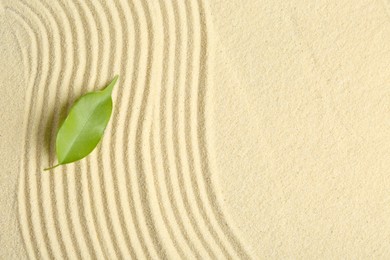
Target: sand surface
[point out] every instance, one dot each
(241, 129)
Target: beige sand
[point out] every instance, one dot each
(302, 120)
(240, 130)
(12, 93)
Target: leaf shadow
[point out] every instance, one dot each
(54, 122)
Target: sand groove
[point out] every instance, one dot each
(148, 191)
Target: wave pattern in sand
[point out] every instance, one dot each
(148, 191)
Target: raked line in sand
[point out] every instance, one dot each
(149, 190)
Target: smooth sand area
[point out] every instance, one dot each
(241, 129)
(302, 126)
(12, 94)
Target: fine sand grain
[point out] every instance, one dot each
(148, 191)
(302, 114)
(241, 129)
(12, 93)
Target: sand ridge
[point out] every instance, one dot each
(244, 129)
(149, 190)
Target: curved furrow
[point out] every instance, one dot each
(141, 158)
(177, 207)
(96, 184)
(95, 54)
(24, 193)
(94, 248)
(122, 83)
(93, 187)
(30, 51)
(153, 215)
(82, 224)
(181, 139)
(130, 140)
(51, 180)
(105, 64)
(203, 149)
(53, 125)
(127, 130)
(171, 232)
(178, 237)
(110, 176)
(42, 235)
(196, 159)
(62, 183)
(135, 191)
(25, 53)
(123, 91)
(206, 233)
(157, 210)
(164, 203)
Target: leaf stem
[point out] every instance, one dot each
(50, 168)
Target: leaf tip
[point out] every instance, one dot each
(112, 84)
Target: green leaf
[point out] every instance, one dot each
(84, 126)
